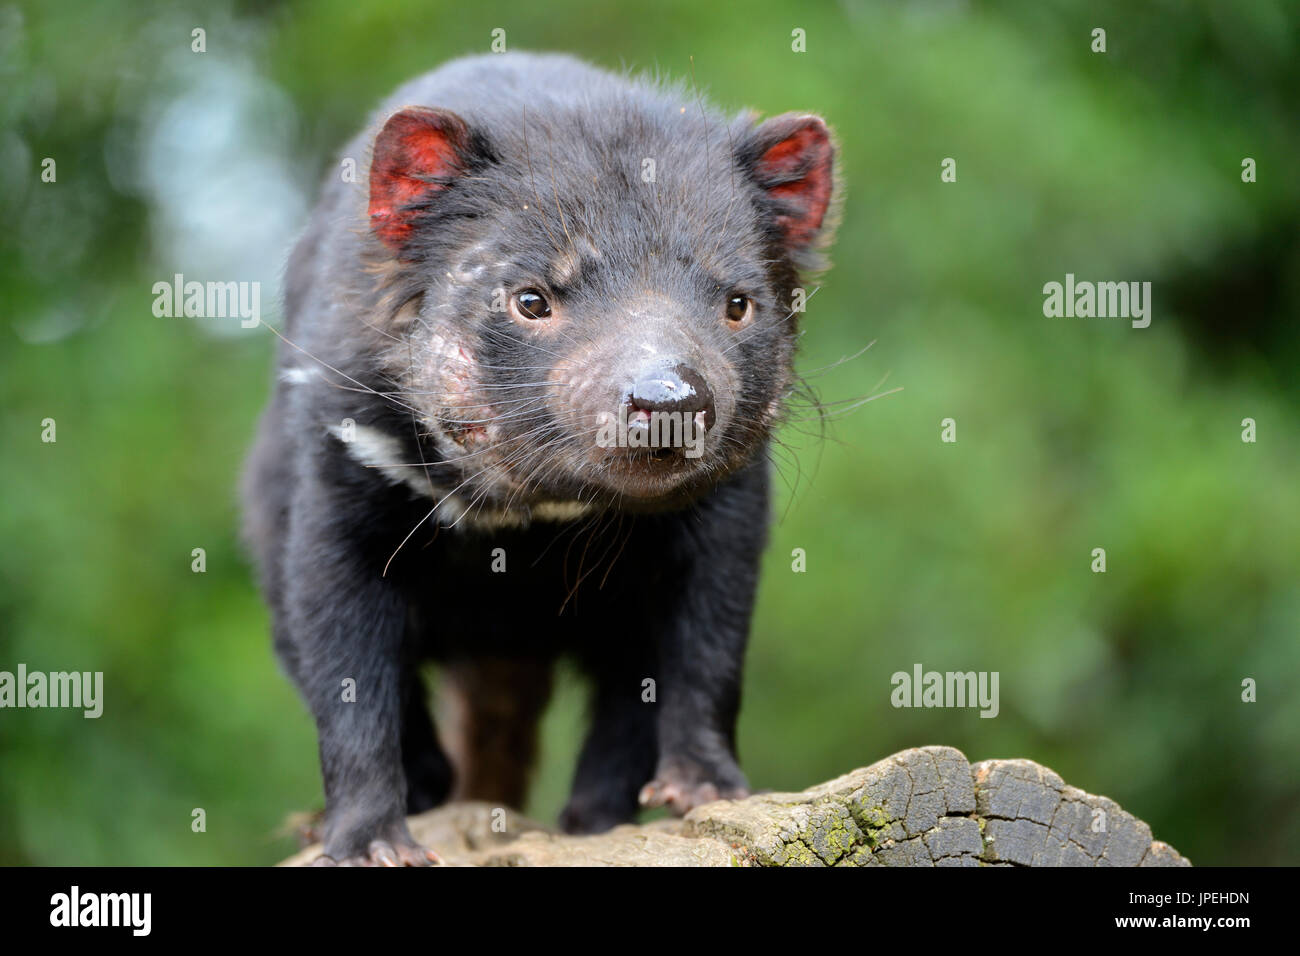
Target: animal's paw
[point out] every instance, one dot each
(385, 853)
(390, 845)
(682, 786)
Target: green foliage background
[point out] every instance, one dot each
(1073, 433)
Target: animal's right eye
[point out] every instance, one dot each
(739, 310)
(530, 304)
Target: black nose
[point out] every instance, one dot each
(676, 389)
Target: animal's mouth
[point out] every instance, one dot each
(630, 458)
(648, 473)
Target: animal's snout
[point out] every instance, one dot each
(678, 389)
(652, 419)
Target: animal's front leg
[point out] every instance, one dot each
(699, 699)
(701, 652)
(347, 625)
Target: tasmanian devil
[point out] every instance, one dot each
(532, 267)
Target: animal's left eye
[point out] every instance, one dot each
(739, 308)
(531, 304)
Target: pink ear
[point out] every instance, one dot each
(416, 153)
(794, 165)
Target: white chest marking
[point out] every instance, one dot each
(382, 452)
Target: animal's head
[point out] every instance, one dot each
(598, 304)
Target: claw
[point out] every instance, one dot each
(681, 788)
(385, 853)
(682, 798)
(651, 795)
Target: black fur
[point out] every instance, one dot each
(642, 585)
